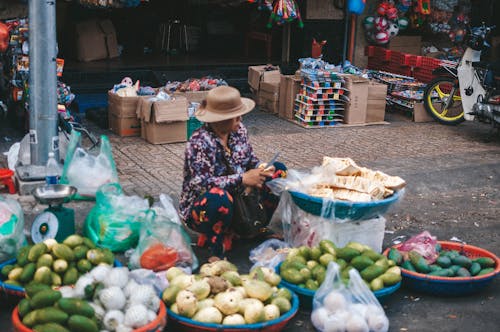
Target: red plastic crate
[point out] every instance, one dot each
(370, 51)
(400, 58)
(415, 60)
(430, 63)
(382, 54)
(423, 74)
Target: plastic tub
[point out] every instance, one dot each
(306, 295)
(342, 209)
(183, 324)
(156, 325)
(451, 286)
(19, 291)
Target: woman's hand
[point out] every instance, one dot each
(254, 178)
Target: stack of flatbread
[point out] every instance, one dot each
(349, 182)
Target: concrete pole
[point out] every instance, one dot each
(42, 81)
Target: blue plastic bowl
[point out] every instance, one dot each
(182, 323)
(306, 295)
(19, 291)
(343, 209)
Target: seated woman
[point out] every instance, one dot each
(219, 164)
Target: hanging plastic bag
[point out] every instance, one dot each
(163, 243)
(423, 243)
(269, 253)
(85, 171)
(337, 307)
(115, 221)
(11, 228)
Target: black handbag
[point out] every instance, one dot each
(249, 215)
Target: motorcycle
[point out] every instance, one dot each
(469, 90)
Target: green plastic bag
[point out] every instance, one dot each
(11, 228)
(85, 171)
(115, 221)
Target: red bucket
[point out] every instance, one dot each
(156, 325)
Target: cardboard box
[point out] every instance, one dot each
(164, 121)
(271, 106)
(195, 96)
(375, 107)
(90, 41)
(123, 107)
(258, 74)
(109, 31)
(420, 114)
(355, 112)
(272, 87)
(406, 44)
(270, 96)
(124, 126)
(289, 87)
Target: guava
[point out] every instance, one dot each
(228, 302)
(186, 303)
(234, 319)
(271, 311)
(200, 288)
(258, 289)
(208, 315)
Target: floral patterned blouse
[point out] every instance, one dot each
(205, 168)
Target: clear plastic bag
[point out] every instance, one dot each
(163, 243)
(11, 228)
(115, 220)
(85, 171)
(269, 253)
(346, 308)
(423, 243)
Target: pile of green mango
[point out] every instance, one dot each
(306, 266)
(450, 263)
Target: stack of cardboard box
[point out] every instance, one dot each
(122, 116)
(264, 82)
(289, 87)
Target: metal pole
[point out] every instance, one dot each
(42, 81)
(346, 32)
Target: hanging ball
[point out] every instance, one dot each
(382, 9)
(392, 13)
(382, 37)
(369, 22)
(380, 23)
(393, 29)
(403, 23)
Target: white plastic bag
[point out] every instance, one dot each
(11, 228)
(341, 308)
(87, 172)
(269, 253)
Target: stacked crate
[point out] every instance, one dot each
(321, 99)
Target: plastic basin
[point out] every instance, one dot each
(180, 323)
(451, 286)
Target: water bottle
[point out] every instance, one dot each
(51, 170)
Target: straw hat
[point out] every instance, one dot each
(223, 103)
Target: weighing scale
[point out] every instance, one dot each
(56, 221)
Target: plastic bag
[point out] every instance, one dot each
(337, 307)
(423, 243)
(11, 228)
(163, 243)
(269, 253)
(115, 221)
(85, 171)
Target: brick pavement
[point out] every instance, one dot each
(453, 176)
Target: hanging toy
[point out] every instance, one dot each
(391, 13)
(404, 5)
(382, 8)
(393, 29)
(285, 11)
(382, 37)
(424, 7)
(356, 6)
(369, 22)
(403, 23)
(380, 23)
(4, 37)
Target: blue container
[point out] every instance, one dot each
(91, 100)
(180, 323)
(306, 295)
(342, 209)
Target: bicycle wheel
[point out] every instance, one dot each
(438, 104)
